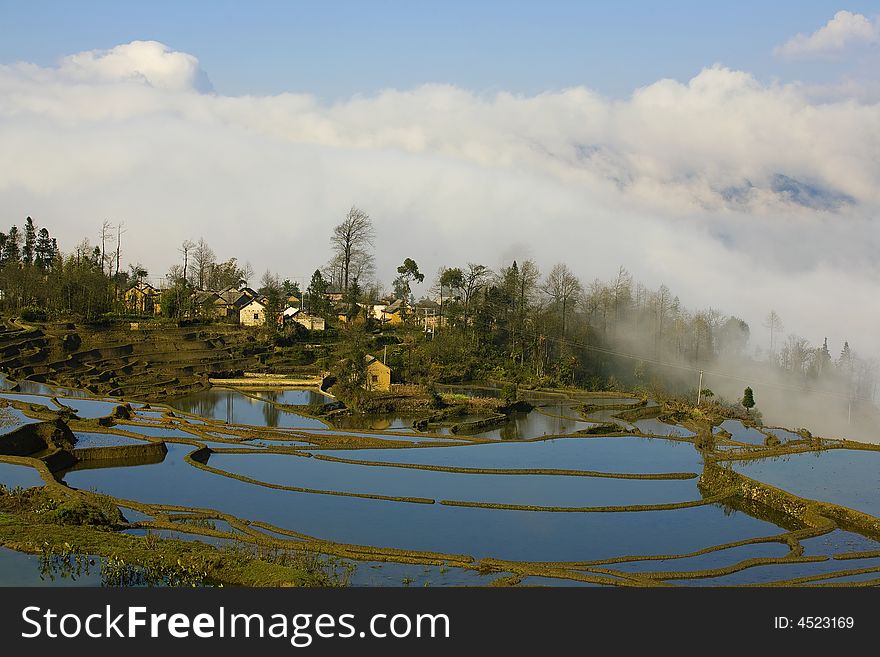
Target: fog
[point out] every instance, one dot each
(738, 195)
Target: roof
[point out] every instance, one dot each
(204, 296)
(369, 359)
(290, 312)
(229, 294)
(261, 302)
(143, 288)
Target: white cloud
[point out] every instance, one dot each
(139, 61)
(843, 31)
(736, 194)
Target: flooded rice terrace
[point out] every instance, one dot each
(568, 493)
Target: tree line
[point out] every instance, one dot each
(515, 323)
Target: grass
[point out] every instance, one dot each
(43, 522)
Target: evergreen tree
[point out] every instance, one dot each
(352, 297)
(12, 246)
(318, 303)
(291, 289)
(846, 357)
(748, 400)
(822, 359)
(44, 255)
(30, 242)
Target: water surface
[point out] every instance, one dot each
(847, 477)
(232, 407)
(479, 532)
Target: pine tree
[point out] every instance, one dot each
(317, 294)
(30, 242)
(845, 360)
(12, 246)
(748, 400)
(43, 252)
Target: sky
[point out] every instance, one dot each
(727, 150)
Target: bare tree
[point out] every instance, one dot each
(185, 250)
(774, 323)
(203, 259)
(660, 301)
(105, 234)
(119, 231)
(563, 288)
(351, 241)
(622, 288)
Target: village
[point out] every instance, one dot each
(247, 307)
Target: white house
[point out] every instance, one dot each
(311, 322)
(253, 313)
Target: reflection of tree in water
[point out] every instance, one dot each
(372, 422)
(202, 404)
(268, 395)
(510, 430)
(271, 414)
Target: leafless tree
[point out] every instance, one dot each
(119, 232)
(351, 241)
(563, 288)
(185, 250)
(105, 235)
(774, 323)
(203, 258)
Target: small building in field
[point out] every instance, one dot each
(393, 313)
(311, 322)
(378, 375)
(209, 305)
(142, 299)
(231, 300)
(253, 313)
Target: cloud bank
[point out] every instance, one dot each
(736, 194)
(843, 31)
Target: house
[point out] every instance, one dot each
(334, 296)
(209, 305)
(342, 314)
(392, 314)
(142, 299)
(253, 313)
(311, 322)
(232, 300)
(378, 375)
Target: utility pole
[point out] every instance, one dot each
(385, 356)
(700, 389)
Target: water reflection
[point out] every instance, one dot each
(850, 478)
(293, 396)
(234, 407)
(479, 532)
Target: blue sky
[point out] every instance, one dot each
(338, 49)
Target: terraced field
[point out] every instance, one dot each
(149, 363)
(636, 508)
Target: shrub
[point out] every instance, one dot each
(34, 314)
